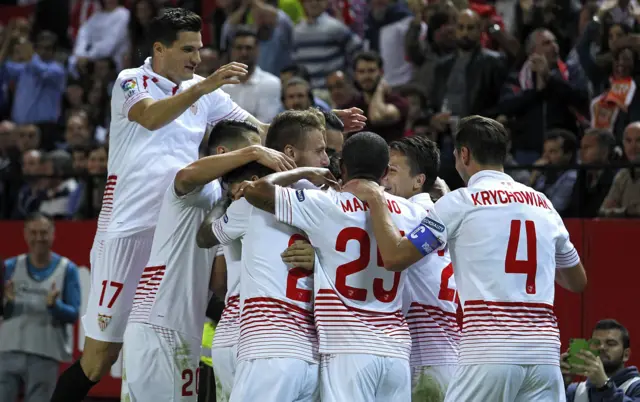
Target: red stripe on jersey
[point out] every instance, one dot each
(345, 329)
(509, 333)
(146, 291)
(271, 327)
(228, 328)
(435, 335)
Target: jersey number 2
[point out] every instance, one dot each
(187, 377)
(293, 291)
(344, 270)
(446, 293)
(529, 266)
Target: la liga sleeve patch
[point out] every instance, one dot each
(129, 87)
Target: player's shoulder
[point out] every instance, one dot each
(403, 207)
(135, 72)
(241, 205)
(422, 199)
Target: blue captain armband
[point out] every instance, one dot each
(423, 237)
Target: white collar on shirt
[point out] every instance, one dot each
(488, 174)
(162, 82)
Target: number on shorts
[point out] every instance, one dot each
(355, 266)
(187, 377)
(529, 266)
(293, 291)
(116, 293)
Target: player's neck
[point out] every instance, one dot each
(476, 168)
(157, 68)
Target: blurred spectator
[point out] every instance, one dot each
(340, 88)
(79, 157)
(352, 13)
(386, 112)
(592, 185)
(381, 14)
(86, 200)
(545, 94)
(259, 91)
(557, 183)
(417, 100)
(296, 94)
(27, 137)
(323, 44)
(209, 61)
(334, 135)
(621, 11)
(57, 167)
(297, 70)
(32, 192)
(80, 13)
(77, 133)
(41, 301)
(619, 105)
(142, 12)
(624, 197)
(275, 33)
(104, 34)
(38, 80)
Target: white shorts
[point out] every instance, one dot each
(364, 378)
(116, 268)
(507, 383)
(224, 368)
(430, 383)
(160, 365)
(276, 380)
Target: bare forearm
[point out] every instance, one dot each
(154, 115)
(381, 111)
(386, 232)
(262, 193)
(207, 169)
(205, 238)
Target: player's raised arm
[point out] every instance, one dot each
(209, 168)
(262, 193)
(155, 114)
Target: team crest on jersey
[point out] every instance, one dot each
(438, 227)
(103, 321)
(194, 108)
(300, 195)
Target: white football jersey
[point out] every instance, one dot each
(276, 308)
(142, 163)
(358, 304)
(506, 241)
(431, 304)
(228, 328)
(174, 289)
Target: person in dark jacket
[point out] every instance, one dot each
(608, 379)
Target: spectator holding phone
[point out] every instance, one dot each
(607, 377)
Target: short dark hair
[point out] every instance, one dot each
(246, 172)
(297, 70)
(334, 164)
(369, 56)
(227, 133)
(569, 140)
(610, 323)
(485, 138)
(165, 27)
(332, 121)
(36, 216)
(244, 31)
(365, 155)
(423, 157)
(605, 139)
(290, 128)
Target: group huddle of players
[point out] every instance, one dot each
(336, 290)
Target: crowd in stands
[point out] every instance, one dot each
(560, 75)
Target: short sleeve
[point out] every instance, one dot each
(222, 107)
(566, 253)
(130, 88)
(305, 209)
(234, 223)
(451, 210)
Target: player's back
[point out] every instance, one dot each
(178, 270)
(358, 305)
(503, 237)
(430, 305)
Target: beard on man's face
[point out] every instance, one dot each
(367, 86)
(466, 44)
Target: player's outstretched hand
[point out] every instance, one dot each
(227, 74)
(352, 118)
(321, 178)
(299, 255)
(274, 160)
(365, 190)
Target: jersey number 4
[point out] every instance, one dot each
(529, 266)
(350, 268)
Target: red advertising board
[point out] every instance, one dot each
(604, 245)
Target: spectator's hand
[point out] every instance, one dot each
(273, 159)
(299, 255)
(565, 368)
(541, 162)
(440, 121)
(352, 118)
(53, 295)
(227, 74)
(592, 368)
(23, 50)
(383, 87)
(9, 291)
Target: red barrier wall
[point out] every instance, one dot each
(606, 248)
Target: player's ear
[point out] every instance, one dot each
(385, 173)
(221, 150)
(158, 47)
(254, 178)
(419, 181)
(626, 355)
(290, 151)
(465, 154)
